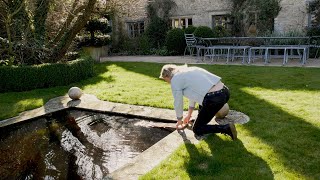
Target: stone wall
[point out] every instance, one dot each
(126, 11)
(292, 17)
(201, 11)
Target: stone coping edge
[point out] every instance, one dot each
(145, 161)
(142, 163)
(91, 103)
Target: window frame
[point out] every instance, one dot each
(224, 21)
(181, 22)
(135, 28)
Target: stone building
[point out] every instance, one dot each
(293, 15)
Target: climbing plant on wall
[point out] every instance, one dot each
(314, 10)
(260, 13)
(158, 14)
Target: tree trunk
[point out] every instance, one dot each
(66, 24)
(62, 47)
(40, 18)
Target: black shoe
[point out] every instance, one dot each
(201, 137)
(230, 130)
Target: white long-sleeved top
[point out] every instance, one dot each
(193, 83)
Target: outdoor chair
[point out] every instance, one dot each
(191, 42)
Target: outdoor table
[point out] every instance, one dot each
(285, 48)
(211, 52)
(265, 40)
(266, 45)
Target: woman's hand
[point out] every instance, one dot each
(180, 125)
(186, 119)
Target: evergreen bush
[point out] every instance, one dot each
(156, 32)
(315, 40)
(144, 45)
(203, 32)
(98, 33)
(175, 41)
(220, 31)
(24, 78)
(190, 30)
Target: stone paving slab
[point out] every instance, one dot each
(311, 62)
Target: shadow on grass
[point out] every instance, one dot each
(227, 160)
(12, 103)
(291, 78)
(294, 143)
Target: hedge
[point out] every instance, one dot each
(26, 78)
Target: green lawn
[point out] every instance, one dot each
(281, 141)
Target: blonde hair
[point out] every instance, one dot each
(169, 70)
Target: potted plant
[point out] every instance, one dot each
(96, 39)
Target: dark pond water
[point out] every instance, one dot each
(73, 145)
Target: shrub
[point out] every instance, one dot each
(156, 32)
(314, 31)
(160, 52)
(144, 45)
(97, 41)
(98, 33)
(220, 31)
(190, 30)
(175, 41)
(203, 32)
(13, 78)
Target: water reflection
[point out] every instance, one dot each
(73, 145)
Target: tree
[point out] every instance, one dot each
(65, 41)
(35, 34)
(314, 10)
(261, 13)
(158, 12)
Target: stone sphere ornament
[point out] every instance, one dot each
(75, 93)
(223, 111)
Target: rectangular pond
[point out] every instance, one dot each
(74, 144)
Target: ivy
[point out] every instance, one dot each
(260, 13)
(158, 12)
(314, 10)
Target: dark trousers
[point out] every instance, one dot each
(211, 104)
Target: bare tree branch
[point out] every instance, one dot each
(66, 25)
(60, 50)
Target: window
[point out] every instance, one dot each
(135, 29)
(220, 20)
(181, 22)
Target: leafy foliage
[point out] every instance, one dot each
(243, 14)
(220, 31)
(313, 31)
(314, 9)
(13, 78)
(156, 32)
(175, 41)
(204, 32)
(37, 32)
(98, 29)
(190, 29)
(159, 12)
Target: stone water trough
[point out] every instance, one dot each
(148, 159)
